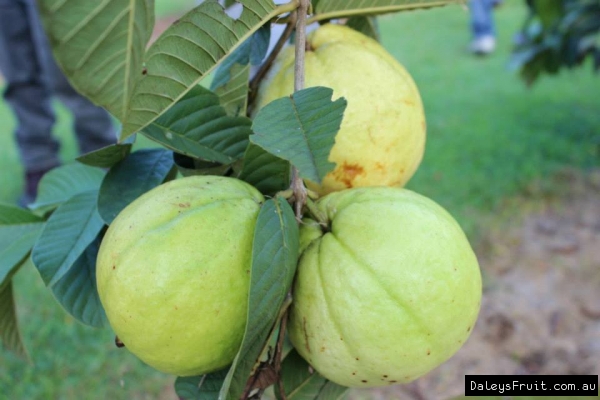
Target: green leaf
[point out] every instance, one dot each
(269, 174)
(366, 25)
(301, 129)
(9, 324)
(64, 182)
(107, 156)
(100, 45)
(188, 51)
(301, 382)
(126, 181)
(19, 230)
(274, 259)
(232, 79)
(197, 126)
(66, 235)
(330, 9)
(203, 387)
(77, 292)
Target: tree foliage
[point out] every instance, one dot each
(558, 34)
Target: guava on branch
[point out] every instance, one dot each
(382, 137)
(389, 291)
(173, 273)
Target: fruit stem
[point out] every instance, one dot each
(297, 185)
(317, 214)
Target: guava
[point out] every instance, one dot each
(382, 137)
(389, 291)
(173, 273)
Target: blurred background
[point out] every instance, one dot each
(518, 166)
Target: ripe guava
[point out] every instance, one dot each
(382, 137)
(390, 291)
(173, 273)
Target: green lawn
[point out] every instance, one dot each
(488, 138)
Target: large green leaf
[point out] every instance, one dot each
(231, 80)
(300, 382)
(9, 325)
(126, 181)
(77, 292)
(62, 183)
(204, 387)
(199, 127)
(100, 45)
(329, 9)
(274, 259)
(66, 235)
(190, 49)
(267, 173)
(19, 230)
(301, 129)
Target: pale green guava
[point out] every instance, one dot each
(390, 291)
(173, 273)
(382, 137)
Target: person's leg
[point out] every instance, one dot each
(26, 93)
(482, 26)
(482, 18)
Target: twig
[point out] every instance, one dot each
(279, 353)
(297, 184)
(266, 66)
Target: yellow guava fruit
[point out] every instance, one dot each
(173, 273)
(382, 137)
(390, 291)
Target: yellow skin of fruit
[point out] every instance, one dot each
(382, 137)
(173, 273)
(390, 292)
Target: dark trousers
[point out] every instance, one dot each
(32, 78)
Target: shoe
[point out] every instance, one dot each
(32, 181)
(483, 45)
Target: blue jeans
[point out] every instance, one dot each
(32, 78)
(482, 18)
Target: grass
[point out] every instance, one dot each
(488, 138)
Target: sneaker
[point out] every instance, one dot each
(483, 45)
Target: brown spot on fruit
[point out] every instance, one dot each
(185, 205)
(118, 342)
(379, 166)
(385, 376)
(393, 381)
(346, 173)
(306, 344)
(428, 352)
(354, 373)
(469, 329)
(357, 359)
(114, 266)
(364, 381)
(322, 349)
